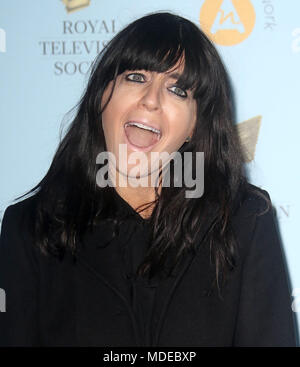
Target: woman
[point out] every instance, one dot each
(85, 263)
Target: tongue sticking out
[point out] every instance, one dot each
(140, 137)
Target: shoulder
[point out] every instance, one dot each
(254, 218)
(16, 236)
(22, 206)
(19, 214)
(253, 201)
(21, 234)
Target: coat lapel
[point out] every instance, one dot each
(103, 256)
(167, 287)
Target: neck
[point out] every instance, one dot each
(137, 195)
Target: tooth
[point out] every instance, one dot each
(142, 126)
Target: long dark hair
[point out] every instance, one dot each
(69, 202)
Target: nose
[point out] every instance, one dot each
(151, 96)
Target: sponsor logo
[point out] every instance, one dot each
(248, 132)
(227, 22)
(74, 51)
(269, 13)
(74, 5)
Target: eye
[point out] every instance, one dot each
(178, 91)
(135, 77)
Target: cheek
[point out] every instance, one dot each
(110, 117)
(182, 122)
(116, 109)
(108, 128)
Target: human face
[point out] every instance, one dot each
(153, 100)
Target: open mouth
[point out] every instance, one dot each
(141, 135)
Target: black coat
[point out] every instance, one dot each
(59, 303)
